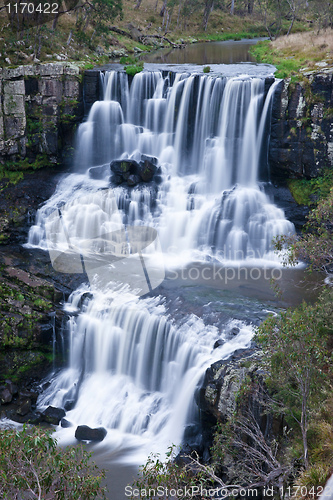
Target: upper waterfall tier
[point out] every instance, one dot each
(199, 124)
(209, 137)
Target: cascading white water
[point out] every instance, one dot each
(132, 369)
(208, 135)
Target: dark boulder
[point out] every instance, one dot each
(133, 180)
(53, 415)
(5, 395)
(234, 331)
(24, 407)
(218, 343)
(85, 433)
(147, 170)
(123, 167)
(69, 405)
(13, 389)
(65, 423)
(25, 394)
(116, 179)
(150, 159)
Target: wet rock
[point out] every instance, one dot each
(147, 170)
(234, 331)
(133, 180)
(121, 167)
(65, 423)
(98, 172)
(85, 433)
(24, 407)
(116, 179)
(69, 405)
(5, 395)
(25, 394)
(218, 343)
(85, 296)
(223, 381)
(53, 415)
(13, 389)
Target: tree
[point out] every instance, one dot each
(295, 343)
(31, 466)
(315, 246)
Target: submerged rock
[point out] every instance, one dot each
(85, 433)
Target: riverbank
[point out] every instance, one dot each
(297, 54)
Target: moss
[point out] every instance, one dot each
(300, 190)
(134, 69)
(308, 192)
(43, 305)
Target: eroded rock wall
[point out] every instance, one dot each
(301, 144)
(40, 106)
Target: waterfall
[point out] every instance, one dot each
(209, 135)
(132, 367)
(133, 370)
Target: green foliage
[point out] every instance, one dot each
(223, 37)
(308, 192)
(295, 343)
(104, 12)
(168, 475)
(264, 53)
(311, 479)
(206, 69)
(31, 466)
(130, 60)
(134, 69)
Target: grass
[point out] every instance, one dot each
(299, 52)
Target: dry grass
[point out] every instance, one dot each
(312, 46)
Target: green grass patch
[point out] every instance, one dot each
(134, 69)
(286, 67)
(310, 192)
(223, 37)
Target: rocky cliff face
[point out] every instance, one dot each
(301, 144)
(39, 109)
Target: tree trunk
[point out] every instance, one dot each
(209, 5)
(138, 3)
(162, 11)
(232, 8)
(55, 21)
(304, 426)
(291, 25)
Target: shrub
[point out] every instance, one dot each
(134, 69)
(206, 69)
(31, 466)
